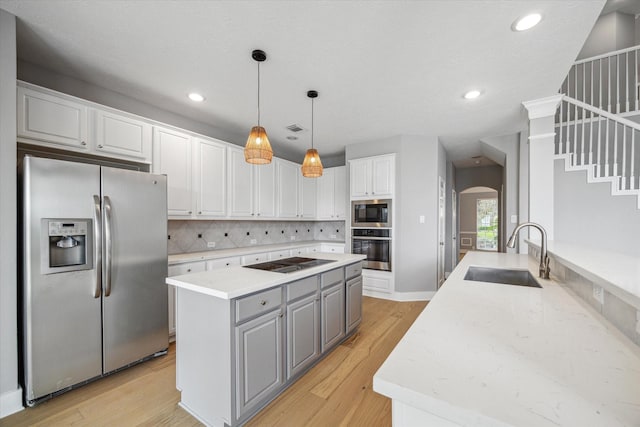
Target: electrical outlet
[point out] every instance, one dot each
(211, 244)
(253, 241)
(333, 236)
(293, 237)
(421, 219)
(598, 294)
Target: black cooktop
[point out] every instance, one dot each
(289, 265)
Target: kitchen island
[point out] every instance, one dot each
(489, 354)
(244, 335)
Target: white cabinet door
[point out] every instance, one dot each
(287, 189)
(360, 177)
(333, 326)
(210, 175)
(340, 192)
(52, 119)
(303, 334)
(121, 135)
(214, 264)
(337, 248)
(307, 198)
(172, 157)
(240, 184)
(265, 189)
(325, 190)
(382, 176)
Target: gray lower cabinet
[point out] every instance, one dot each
(333, 327)
(259, 361)
(303, 334)
(354, 303)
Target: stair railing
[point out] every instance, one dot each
(609, 81)
(606, 145)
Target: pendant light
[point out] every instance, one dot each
(258, 149)
(311, 165)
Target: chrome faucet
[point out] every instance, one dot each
(543, 271)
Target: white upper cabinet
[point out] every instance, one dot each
(52, 119)
(56, 120)
(332, 193)
(121, 135)
(210, 178)
(172, 157)
(265, 190)
(340, 192)
(307, 198)
(372, 177)
(287, 188)
(241, 197)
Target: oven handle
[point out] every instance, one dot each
(370, 238)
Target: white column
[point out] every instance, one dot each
(541, 158)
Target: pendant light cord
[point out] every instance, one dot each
(311, 123)
(258, 93)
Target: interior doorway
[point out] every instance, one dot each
(479, 213)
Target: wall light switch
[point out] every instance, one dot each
(421, 219)
(333, 236)
(211, 244)
(514, 219)
(293, 237)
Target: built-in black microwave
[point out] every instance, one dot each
(371, 213)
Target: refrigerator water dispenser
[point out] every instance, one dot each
(66, 245)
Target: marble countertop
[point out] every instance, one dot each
(237, 281)
(494, 355)
(617, 273)
(225, 253)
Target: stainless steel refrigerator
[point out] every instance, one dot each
(94, 266)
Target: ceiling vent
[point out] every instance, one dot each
(295, 128)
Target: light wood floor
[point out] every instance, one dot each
(336, 392)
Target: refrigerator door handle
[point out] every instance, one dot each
(108, 246)
(97, 232)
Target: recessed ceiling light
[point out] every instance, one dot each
(472, 94)
(526, 22)
(196, 97)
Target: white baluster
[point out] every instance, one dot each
(606, 150)
(624, 157)
(633, 158)
(626, 73)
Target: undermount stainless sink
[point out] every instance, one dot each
(502, 275)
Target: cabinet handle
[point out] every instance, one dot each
(99, 145)
(252, 214)
(188, 270)
(263, 302)
(280, 314)
(258, 213)
(199, 212)
(83, 143)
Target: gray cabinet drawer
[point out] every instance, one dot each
(353, 270)
(331, 277)
(262, 302)
(301, 287)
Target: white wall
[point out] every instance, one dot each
(613, 31)
(10, 393)
(419, 160)
(587, 214)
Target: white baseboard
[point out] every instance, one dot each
(11, 402)
(400, 296)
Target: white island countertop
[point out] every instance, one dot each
(237, 281)
(485, 354)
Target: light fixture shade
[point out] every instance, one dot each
(311, 165)
(258, 149)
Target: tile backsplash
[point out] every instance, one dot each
(195, 236)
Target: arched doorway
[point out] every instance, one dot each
(479, 220)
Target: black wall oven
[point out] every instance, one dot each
(375, 243)
(371, 213)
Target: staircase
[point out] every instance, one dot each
(603, 143)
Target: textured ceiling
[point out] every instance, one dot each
(382, 68)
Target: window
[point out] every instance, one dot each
(487, 224)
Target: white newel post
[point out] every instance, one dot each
(541, 157)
